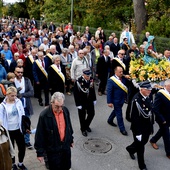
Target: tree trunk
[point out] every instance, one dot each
(140, 15)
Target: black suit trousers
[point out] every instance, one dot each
(139, 148)
(86, 115)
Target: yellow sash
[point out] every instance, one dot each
(31, 59)
(50, 56)
(41, 68)
(164, 93)
(58, 72)
(119, 83)
(120, 62)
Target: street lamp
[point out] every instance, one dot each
(71, 11)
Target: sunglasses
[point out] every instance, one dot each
(122, 53)
(19, 72)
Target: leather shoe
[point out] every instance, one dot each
(88, 129)
(154, 145)
(168, 156)
(112, 124)
(130, 154)
(40, 103)
(144, 169)
(84, 133)
(124, 133)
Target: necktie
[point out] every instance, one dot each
(42, 63)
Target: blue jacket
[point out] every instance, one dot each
(115, 94)
(3, 73)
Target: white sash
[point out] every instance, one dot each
(41, 68)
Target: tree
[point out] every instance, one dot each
(140, 15)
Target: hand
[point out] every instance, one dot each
(96, 75)
(72, 145)
(94, 102)
(164, 123)
(127, 76)
(79, 107)
(139, 137)
(110, 105)
(38, 82)
(41, 159)
(28, 131)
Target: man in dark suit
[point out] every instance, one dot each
(40, 68)
(141, 122)
(115, 46)
(52, 27)
(85, 43)
(161, 110)
(85, 99)
(56, 76)
(116, 92)
(103, 66)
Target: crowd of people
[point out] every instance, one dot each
(60, 61)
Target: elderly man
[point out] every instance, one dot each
(161, 110)
(56, 72)
(40, 69)
(54, 134)
(78, 65)
(142, 122)
(52, 52)
(85, 99)
(45, 43)
(72, 52)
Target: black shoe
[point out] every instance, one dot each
(22, 167)
(130, 154)
(14, 167)
(112, 124)
(84, 133)
(88, 129)
(124, 133)
(144, 169)
(29, 146)
(40, 103)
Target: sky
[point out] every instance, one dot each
(10, 1)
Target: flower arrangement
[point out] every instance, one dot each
(151, 71)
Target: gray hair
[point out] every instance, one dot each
(167, 82)
(20, 60)
(64, 50)
(57, 96)
(41, 48)
(52, 46)
(45, 39)
(55, 57)
(107, 47)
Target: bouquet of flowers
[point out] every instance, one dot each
(151, 71)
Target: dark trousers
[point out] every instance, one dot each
(86, 116)
(102, 84)
(139, 148)
(18, 137)
(117, 112)
(165, 134)
(60, 160)
(43, 86)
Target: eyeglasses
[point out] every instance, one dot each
(81, 53)
(19, 72)
(122, 53)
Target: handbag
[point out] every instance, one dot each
(26, 124)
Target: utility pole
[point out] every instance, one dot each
(71, 12)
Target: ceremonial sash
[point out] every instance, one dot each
(58, 72)
(50, 56)
(165, 94)
(31, 59)
(119, 83)
(41, 68)
(120, 62)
